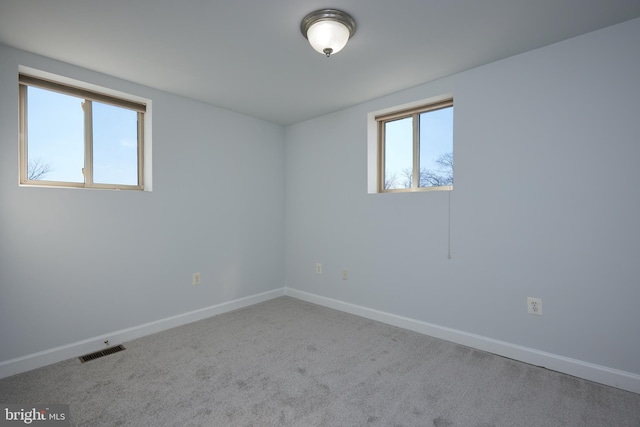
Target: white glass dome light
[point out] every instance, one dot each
(328, 36)
(328, 30)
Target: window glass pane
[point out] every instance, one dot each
(115, 145)
(55, 129)
(436, 148)
(398, 153)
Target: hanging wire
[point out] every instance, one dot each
(449, 226)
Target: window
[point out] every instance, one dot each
(416, 148)
(74, 137)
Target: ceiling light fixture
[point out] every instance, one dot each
(328, 30)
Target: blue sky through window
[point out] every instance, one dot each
(398, 156)
(55, 132)
(115, 145)
(436, 140)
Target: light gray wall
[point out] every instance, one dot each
(75, 264)
(546, 204)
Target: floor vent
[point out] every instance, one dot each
(101, 353)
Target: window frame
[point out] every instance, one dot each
(413, 112)
(26, 80)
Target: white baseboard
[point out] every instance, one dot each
(589, 371)
(58, 354)
(578, 368)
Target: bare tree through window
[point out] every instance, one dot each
(37, 169)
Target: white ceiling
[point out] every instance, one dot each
(249, 55)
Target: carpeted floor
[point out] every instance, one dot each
(285, 362)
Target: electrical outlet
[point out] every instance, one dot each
(345, 274)
(318, 268)
(197, 279)
(534, 306)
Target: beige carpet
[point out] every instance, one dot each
(286, 362)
